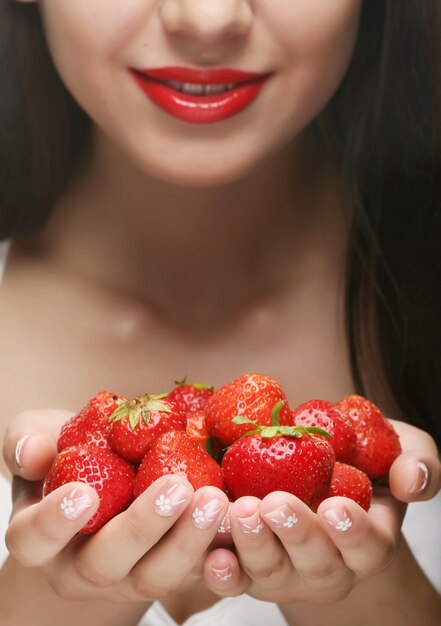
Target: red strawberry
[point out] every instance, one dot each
(175, 453)
(110, 476)
(91, 425)
(285, 458)
(253, 396)
(190, 397)
(196, 428)
(378, 444)
(136, 423)
(350, 482)
(326, 415)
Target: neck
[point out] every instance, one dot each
(193, 254)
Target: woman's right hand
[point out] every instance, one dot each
(145, 553)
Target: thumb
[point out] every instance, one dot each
(30, 443)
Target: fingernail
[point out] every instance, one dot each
(283, 517)
(339, 519)
(19, 451)
(206, 512)
(74, 504)
(421, 479)
(252, 525)
(171, 497)
(225, 525)
(222, 574)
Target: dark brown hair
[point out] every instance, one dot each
(382, 127)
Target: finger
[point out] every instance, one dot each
(38, 532)
(223, 574)
(24, 494)
(30, 442)
(168, 564)
(367, 541)
(259, 553)
(133, 532)
(311, 551)
(415, 476)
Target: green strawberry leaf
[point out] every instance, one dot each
(275, 412)
(241, 419)
(134, 418)
(202, 386)
(318, 431)
(119, 414)
(289, 431)
(269, 432)
(157, 405)
(249, 433)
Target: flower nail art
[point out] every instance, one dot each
(344, 524)
(283, 517)
(206, 513)
(171, 497)
(74, 504)
(252, 525)
(338, 519)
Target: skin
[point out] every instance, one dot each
(247, 276)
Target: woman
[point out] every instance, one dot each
(288, 227)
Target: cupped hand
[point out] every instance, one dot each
(154, 548)
(286, 553)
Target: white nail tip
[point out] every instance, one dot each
(19, 449)
(425, 471)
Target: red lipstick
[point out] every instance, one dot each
(201, 106)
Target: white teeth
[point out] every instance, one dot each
(200, 90)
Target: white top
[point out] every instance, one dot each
(421, 529)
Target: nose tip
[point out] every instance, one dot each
(207, 21)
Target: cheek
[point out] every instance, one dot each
(318, 39)
(82, 33)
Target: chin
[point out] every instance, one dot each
(198, 174)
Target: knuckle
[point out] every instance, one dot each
(46, 531)
(16, 550)
(335, 595)
(323, 571)
(388, 554)
(268, 573)
(137, 531)
(93, 574)
(63, 588)
(149, 590)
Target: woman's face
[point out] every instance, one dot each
(305, 45)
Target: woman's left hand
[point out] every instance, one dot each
(283, 552)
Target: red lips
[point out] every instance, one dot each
(218, 76)
(200, 109)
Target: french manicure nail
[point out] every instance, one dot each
(339, 519)
(251, 525)
(19, 450)
(222, 574)
(283, 517)
(74, 504)
(171, 497)
(421, 479)
(206, 512)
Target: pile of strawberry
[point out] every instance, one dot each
(242, 438)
